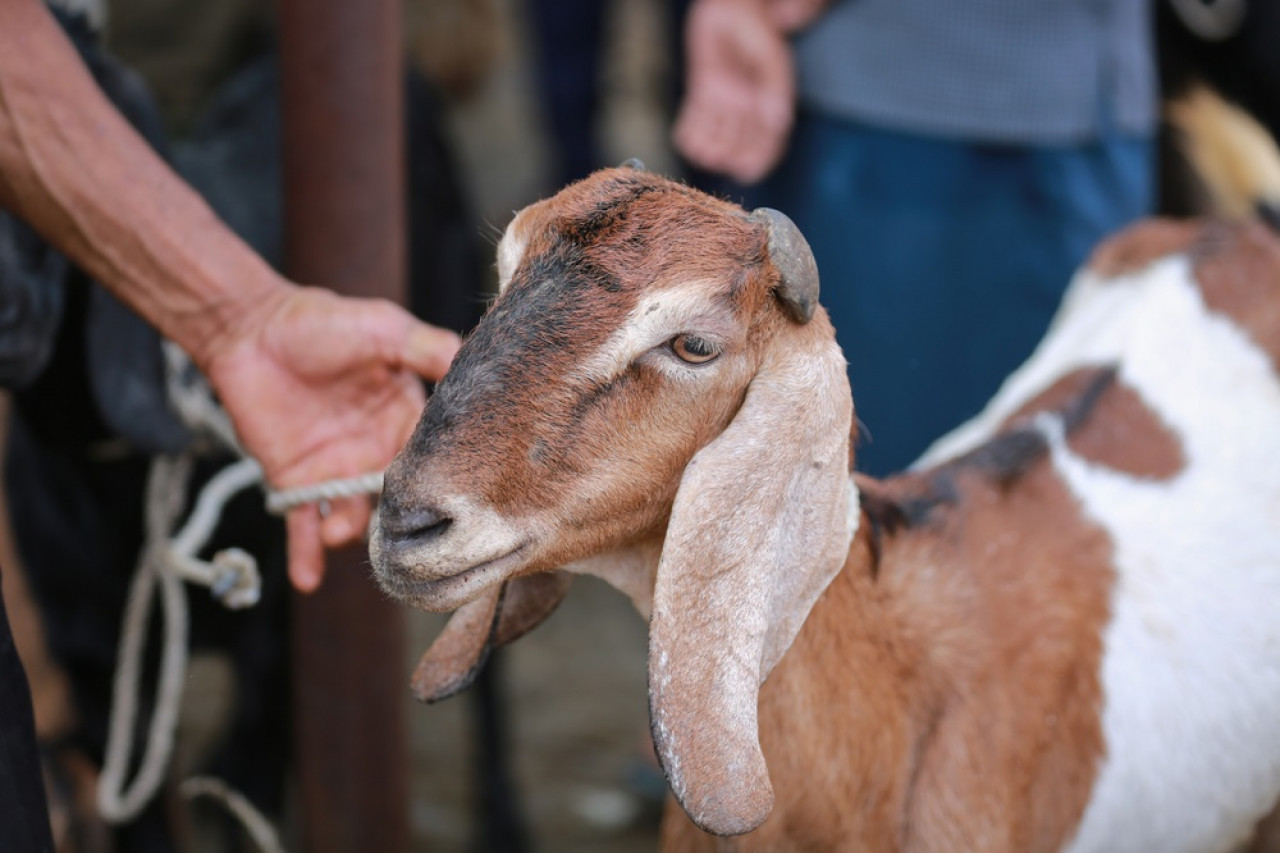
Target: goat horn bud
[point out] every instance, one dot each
(790, 253)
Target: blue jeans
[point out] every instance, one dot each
(943, 261)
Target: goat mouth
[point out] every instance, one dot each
(450, 593)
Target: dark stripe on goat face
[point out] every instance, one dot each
(512, 424)
(598, 393)
(607, 217)
(557, 310)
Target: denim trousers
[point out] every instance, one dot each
(942, 261)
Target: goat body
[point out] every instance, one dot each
(1059, 633)
(1047, 640)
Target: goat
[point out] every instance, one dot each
(1060, 635)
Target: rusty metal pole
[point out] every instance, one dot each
(344, 178)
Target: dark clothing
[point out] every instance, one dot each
(24, 816)
(92, 408)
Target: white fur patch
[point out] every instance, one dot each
(511, 249)
(630, 570)
(658, 316)
(1191, 668)
(478, 534)
(854, 518)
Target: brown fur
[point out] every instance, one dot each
(621, 239)
(1266, 837)
(1237, 266)
(1141, 244)
(454, 659)
(897, 670)
(944, 692)
(1020, 708)
(905, 679)
(1233, 262)
(1122, 433)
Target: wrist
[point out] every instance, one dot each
(225, 317)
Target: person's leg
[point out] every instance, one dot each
(24, 814)
(942, 262)
(569, 35)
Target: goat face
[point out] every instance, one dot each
(655, 369)
(567, 419)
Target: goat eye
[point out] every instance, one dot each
(693, 349)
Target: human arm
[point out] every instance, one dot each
(318, 386)
(739, 101)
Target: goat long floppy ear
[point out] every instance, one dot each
(759, 527)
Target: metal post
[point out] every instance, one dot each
(344, 175)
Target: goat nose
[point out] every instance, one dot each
(411, 525)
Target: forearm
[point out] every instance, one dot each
(72, 167)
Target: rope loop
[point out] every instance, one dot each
(169, 558)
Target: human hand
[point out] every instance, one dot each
(739, 100)
(320, 387)
(791, 16)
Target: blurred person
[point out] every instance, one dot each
(568, 54)
(318, 386)
(951, 165)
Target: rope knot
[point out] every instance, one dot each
(236, 581)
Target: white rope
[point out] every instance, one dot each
(166, 486)
(192, 399)
(281, 501)
(167, 559)
(232, 576)
(259, 828)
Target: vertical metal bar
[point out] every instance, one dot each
(342, 101)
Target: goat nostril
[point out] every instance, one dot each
(415, 525)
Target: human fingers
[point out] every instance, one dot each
(764, 141)
(710, 127)
(724, 141)
(429, 351)
(306, 551)
(793, 15)
(388, 332)
(345, 522)
(687, 136)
